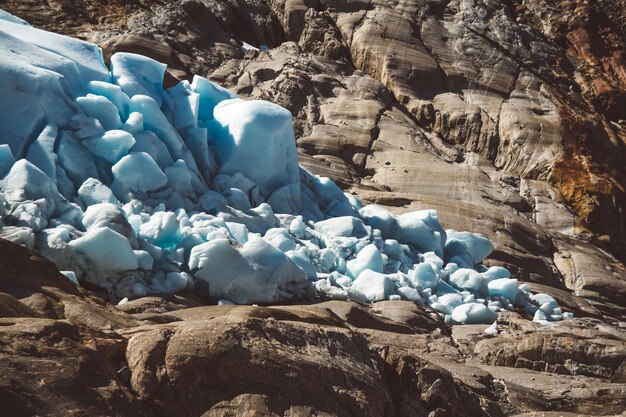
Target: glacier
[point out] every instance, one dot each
(144, 190)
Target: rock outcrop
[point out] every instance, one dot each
(65, 352)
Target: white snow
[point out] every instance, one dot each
(144, 190)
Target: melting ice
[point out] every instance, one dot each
(142, 190)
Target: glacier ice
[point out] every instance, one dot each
(141, 190)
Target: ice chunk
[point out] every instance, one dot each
(505, 287)
(239, 232)
(162, 230)
(29, 215)
(20, 235)
(256, 138)
(327, 259)
(345, 226)
(280, 238)
(176, 281)
(420, 229)
(478, 246)
(183, 103)
(468, 279)
(85, 56)
(103, 249)
(210, 95)
(410, 294)
(180, 177)
(149, 143)
(138, 75)
(325, 287)
(134, 123)
(154, 120)
(256, 272)
(138, 173)
(303, 262)
(258, 220)
(496, 272)
(37, 87)
(379, 218)
(144, 260)
(6, 159)
(112, 145)
(473, 314)
(373, 285)
(330, 198)
(71, 275)
(424, 276)
(113, 93)
(102, 109)
(41, 152)
(93, 191)
(10, 18)
(27, 182)
(76, 160)
(111, 216)
(368, 258)
(493, 329)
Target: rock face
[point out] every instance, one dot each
(505, 116)
(173, 356)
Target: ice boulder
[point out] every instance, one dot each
(102, 109)
(6, 159)
(137, 173)
(138, 74)
(161, 230)
(505, 287)
(111, 146)
(257, 272)
(113, 93)
(111, 216)
(92, 191)
(103, 251)
(182, 103)
(41, 152)
(46, 81)
(27, 182)
(421, 229)
(256, 139)
(468, 279)
(344, 226)
(424, 275)
(85, 57)
(210, 94)
(473, 313)
(155, 121)
(368, 258)
(478, 247)
(372, 286)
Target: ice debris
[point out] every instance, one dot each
(144, 190)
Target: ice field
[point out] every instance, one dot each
(143, 190)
